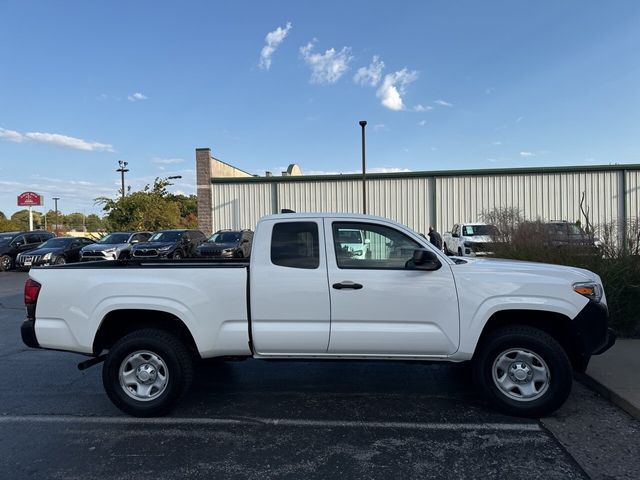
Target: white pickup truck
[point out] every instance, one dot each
(302, 295)
(469, 239)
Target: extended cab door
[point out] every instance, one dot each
(378, 306)
(289, 293)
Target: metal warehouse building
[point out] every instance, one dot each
(231, 198)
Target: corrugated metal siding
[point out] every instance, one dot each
(238, 206)
(632, 187)
(543, 196)
(547, 196)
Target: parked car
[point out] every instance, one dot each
(55, 251)
(557, 234)
(469, 239)
(115, 246)
(169, 244)
(227, 244)
(524, 326)
(353, 243)
(13, 243)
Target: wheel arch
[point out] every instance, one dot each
(559, 326)
(121, 322)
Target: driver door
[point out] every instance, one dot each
(378, 306)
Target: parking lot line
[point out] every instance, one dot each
(282, 422)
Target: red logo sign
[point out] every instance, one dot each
(29, 199)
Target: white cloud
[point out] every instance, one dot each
(11, 135)
(422, 108)
(442, 103)
(55, 139)
(492, 160)
(136, 97)
(326, 67)
(527, 154)
(497, 143)
(166, 161)
(519, 119)
(422, 123)
(68, 142)
(370, 76)
(272, 42)
(489, 90)
(379, 126)
(393, 87)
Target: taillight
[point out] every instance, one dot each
(31, 291)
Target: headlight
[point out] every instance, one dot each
(164, 249)
(228, 250)
(356, 253)
(47, 256)
(591, 290)
(110, 251)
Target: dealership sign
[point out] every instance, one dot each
(30, 199)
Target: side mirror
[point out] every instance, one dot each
(133, 242)
(424, 259)
(367, 241)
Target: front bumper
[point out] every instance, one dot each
(594, 335)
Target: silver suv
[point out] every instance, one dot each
(115, 246)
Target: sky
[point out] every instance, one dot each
(442, 85)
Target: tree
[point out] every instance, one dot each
(2, 216)
(74, 221)
(21, 219)
(94, 223)
(8, 225)
(152, 208)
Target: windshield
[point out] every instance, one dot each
(114, 238)
(166, 237)
(224, 237)
(478, 230)
(56, 242)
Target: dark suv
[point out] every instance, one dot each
(13, 243)
(227, 244)
(169, 244)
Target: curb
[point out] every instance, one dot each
(609, 394)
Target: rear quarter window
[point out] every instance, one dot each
(295, 245)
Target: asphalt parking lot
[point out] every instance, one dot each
(256, 420)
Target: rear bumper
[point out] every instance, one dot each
(28, 332)
(594, 333)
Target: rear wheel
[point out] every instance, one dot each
(523, 371)
(146, 372)
(6, 263)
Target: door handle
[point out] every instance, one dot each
(343, 285)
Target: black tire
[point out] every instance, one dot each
(446, 250)
(178, 255)
(545, 347)
(460, 254)
(177, 366)
(6, 263)
(60, 261)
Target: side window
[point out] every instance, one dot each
(454, 232)
(19, 241)
(33, 238)
(295, 245)
(367, 245)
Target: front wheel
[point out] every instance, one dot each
(523, 371)
(178, 255)
(60, 261)
(146, 372)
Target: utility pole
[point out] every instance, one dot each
(123, 168)
(363, 123)
(55, 200)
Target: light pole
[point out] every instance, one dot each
(55, 200)
(363, 123)
(123, 168)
